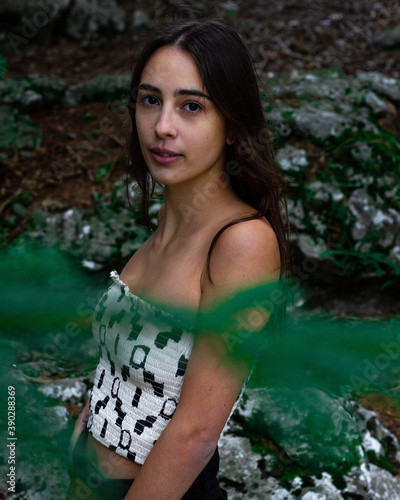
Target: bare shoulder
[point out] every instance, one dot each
(245, 253)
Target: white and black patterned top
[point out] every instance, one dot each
(143, 354)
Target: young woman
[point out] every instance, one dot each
(198, 129)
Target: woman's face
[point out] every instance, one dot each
(182, 135)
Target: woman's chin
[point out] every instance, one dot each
(166, 177)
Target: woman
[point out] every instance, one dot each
(198, 129)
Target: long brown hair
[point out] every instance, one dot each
(228, 74)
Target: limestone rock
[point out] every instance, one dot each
(88, 19)
(267, 489)
(238, 462)
(68, 389)
(332, 440)
(310, 247)
(140, 20)
(101, 88)
(371, 216)
(55, 420)
(324, 489)
(378, 106)
(376, 437)
(291, 159)
(29, 21)
(31, 92)
(389, 39)
(318, 123)
(371, 483)
(381, 84)
(17, 133)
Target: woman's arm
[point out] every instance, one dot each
(80, 425)
(245, 255)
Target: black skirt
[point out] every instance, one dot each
(87, 483)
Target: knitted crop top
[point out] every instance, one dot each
(143, 353)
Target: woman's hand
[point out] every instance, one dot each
(80, 425)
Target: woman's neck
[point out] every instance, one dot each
(189, 207)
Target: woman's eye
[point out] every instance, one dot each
(149, 100)
(192, 107)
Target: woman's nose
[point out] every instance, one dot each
(165, 126)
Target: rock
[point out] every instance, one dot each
(371, 483)
(324, 489)
(369, 443)
(371, 216)
(140, 20)
(389, 39)
(394, 254)
(334, 88)
(119, 194)
(101, 88)
(376, 437)
(30, 20)
(267, 489)
(19, 210)
(37, 20)
(229, 5)
(312, 427)
(278, 494)
(296, 214)
(72, 223)
(318, 123)
(94, 236)
(378, 106)
(361, 152)
(32, 92)
(31, 99)
(88, 19)
(238, 462)
(278, 122)
(67, 389)
(232, 493)
(325, 191)
(43, 478)
(55, 419)
(291, 159)
(17, 133)
(381, 84)
(309, 246)
(91, 265)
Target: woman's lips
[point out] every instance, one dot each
(164, 155)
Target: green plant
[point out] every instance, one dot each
(3, 67)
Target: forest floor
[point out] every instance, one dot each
(285, 36)
(282, 37)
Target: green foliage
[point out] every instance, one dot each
(350, 261)
(19, 206)
(104, 171)
(369, 156)
(89, 117)
(3, 67)
(17, 133)
(105, 236)
(355, 160)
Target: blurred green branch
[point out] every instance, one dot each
(3, 67)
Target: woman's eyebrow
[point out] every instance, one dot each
(195, 92)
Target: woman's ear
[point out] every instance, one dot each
(229, 140)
